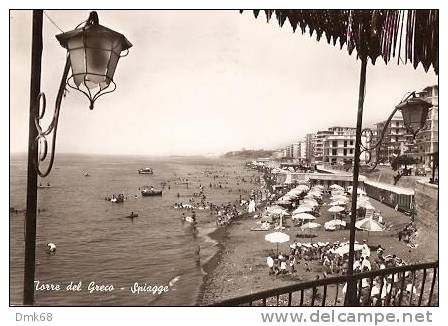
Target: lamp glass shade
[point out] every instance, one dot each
(414, 112)
(94, 52)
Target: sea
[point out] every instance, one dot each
(97, 245)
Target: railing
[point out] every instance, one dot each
(410, 285)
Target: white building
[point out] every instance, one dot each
(427, 140)
(318, 144)
(339, 146)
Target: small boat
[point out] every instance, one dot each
(87, 174)
(117, 200)
(147, 192)
(145, 171)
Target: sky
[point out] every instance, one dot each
(203, 82)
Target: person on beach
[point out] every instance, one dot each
(270, 263)
(366, 266)
(276, 267)
(283, 265)
(327, 265)
(292, 263)
(365, 249)
(379, 260)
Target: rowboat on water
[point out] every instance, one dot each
(150, 191)
(145, 171)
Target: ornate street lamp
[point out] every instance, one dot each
(414, 111)
(94, 51)
(93, 54)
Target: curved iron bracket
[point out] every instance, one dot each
(370, 148)
(41, 138)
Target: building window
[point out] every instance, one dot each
(397, 123)
(334, 143)
(396, 139)
(351, 150)
(351, 142)
(345, 152)
(334, 152)
(345, 143)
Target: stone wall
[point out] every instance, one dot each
(427, 204)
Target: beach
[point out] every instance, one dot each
(239, 268)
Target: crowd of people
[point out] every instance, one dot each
(116, 198)
(381, 290)
(327, 255)
(223, 213)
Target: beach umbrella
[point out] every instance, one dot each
(331, 225)
(339, 197)
(319, 187)
(276, 210)
(336, 187)
(369, 224)
(283, 202)
(314, 194)
(365, 204)
(338, 203)
(309, 204)
(310, 225)
(336, 209)
(303, 216)
(277, 237)
(337, 193)
(309, 196)
(300, 189)
(312, 202)
(302, 209)
(343, 250)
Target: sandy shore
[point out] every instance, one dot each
(239, 266)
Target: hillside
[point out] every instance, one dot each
(248, 154)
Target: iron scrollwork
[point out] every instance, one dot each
(52, 127)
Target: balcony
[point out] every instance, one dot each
(410, 285)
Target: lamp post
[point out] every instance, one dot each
(414, 111)
(93, 54)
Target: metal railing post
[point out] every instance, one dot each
(31, 198)
(351, 297)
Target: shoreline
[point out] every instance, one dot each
(218, 235)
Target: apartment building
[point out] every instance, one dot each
(427, 140)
